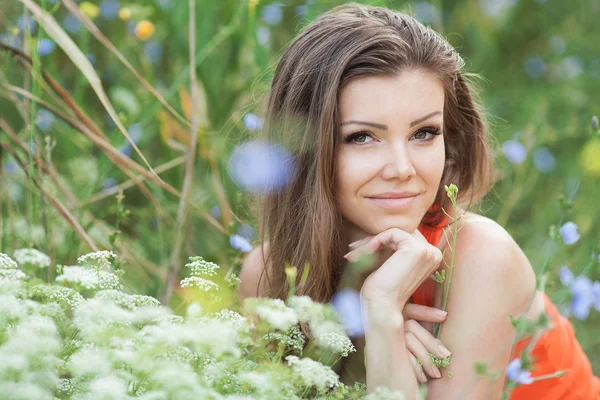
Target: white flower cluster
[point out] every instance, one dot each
(89, 278)
(98, 259)
(293, 339)
(336, 342)
(205, 285)
(273, 311)
(383, 393)
(64, 296)
(7, 263)
(32, 257)
(313, 373)
(128, 301)
(199, 266)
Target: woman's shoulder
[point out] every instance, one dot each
(487, 254)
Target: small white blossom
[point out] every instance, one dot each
(199, 266)
(313, 373)
(129, 301)
(336, 342)
(58, 294)
(6, 262)
(203, 284)
(33, 257)
(89, 279)
(98, 259)
(274, 312)
(383, 393)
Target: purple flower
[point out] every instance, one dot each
(44, 120)
(153, 50)
(535, 67)
(596, 295)
(583, 299)
(516, 374)
(72, 24)
(246, 231)
(569, 233)
(109, 9)
(566, 276)
(347, 305)
(253, 122)
(543, 160)
(108, 183)
(28, 21)
(259, 166)
(240, 243)
(272, 14)
(216, 211)
(136, 132)
(46, 46)
(514, 151)
(126, 149)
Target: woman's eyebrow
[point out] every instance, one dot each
(384, 127)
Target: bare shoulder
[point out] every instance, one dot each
(252, 268)
(488, 255)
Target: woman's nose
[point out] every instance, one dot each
(398, 164)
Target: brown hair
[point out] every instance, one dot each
(302, 222)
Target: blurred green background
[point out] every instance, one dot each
(539, 61)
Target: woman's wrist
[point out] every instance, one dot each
(381, 313)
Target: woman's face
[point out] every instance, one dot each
(391, 147)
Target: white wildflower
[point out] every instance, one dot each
(383, 393)
(110, 387)
(200, 266)
(293, 338)
(273, 311)
(203, 284)
(6, 262)
(306, 308)
(12, 274)
(58, 294)
(336, 342)
(89, 279)
(33, 257)
(193, 311)
(313, 373)
(98, 259)
(129, 301)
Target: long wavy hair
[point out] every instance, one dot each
(302, 223)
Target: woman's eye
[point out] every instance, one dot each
(359, 137)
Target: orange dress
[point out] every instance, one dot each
(556, 350)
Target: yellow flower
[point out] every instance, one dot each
(89, 9)
(15, 31)
(589, 159)
(144, 30)
(124, 14)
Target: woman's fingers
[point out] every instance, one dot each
(423, 313)
(418, 350)
(418, 368)
(427, 340)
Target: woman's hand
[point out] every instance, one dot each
(414, 260)
(420, 342)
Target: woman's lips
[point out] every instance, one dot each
(395, 203)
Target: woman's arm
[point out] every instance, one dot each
(492, 280)
(387, 359)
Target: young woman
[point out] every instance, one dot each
(379, 117)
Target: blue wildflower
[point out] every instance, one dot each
(535, 67)
(109, 9)
(153, 50)
(240, 243)
(543, 160)
(216, 211)
(72, 24)
(596, 295)
(165, 4)
(514, 151)
(582, 297)
(566, 276)
(126, 149)
(246, 231)
(263, 36)
(272, 14)
(260, 166)
(44, 120)
(26, 21)
(346, 304)
(516, 374)
(108, 183)
(46, 47)
(136, 132)
(10, 40)
(569, 233)
(253, 122)
(10, 167)
(91, 58)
